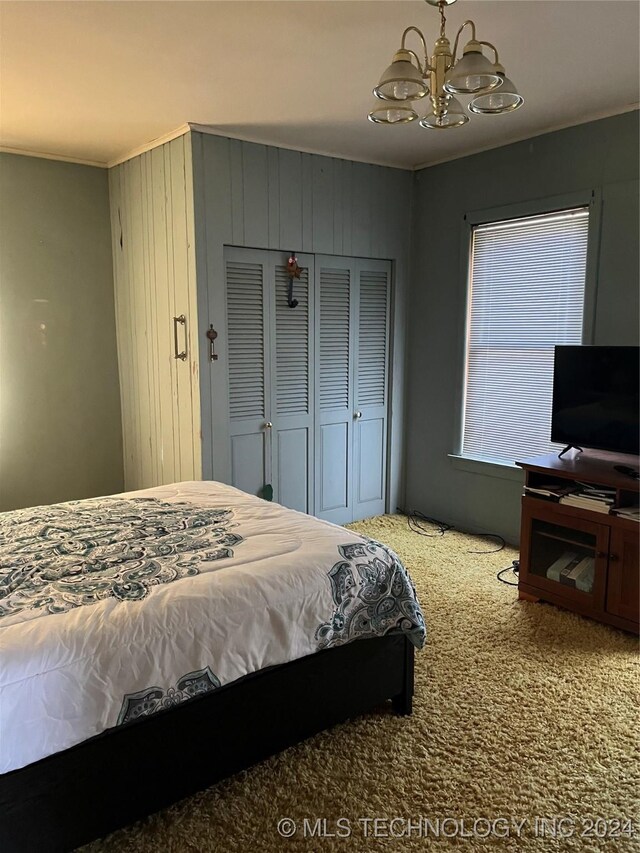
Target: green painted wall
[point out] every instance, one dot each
(60, 428)
(601, 155)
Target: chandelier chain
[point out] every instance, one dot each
(443, 20)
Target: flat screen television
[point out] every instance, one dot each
(595, 398)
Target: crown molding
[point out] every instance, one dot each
(629, 108)
(148, 146)
(46, 155)
(208, 129)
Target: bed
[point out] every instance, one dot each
(154, 642)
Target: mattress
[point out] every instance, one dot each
(115, 608)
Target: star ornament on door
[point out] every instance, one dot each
(294, 271)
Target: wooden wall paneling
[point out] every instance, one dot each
(149, 388)
(381, 222)
(213, 173)
(307, 203)
(346, 182)
(340, 209)
(362, 188)
(237, 191)
(314, 204)
(196, 330)
(273, 189)
(290, 197)
(172, 312)
(134, 402)
(186, 437)
(152, 207)
(255, 187)
(152, 346)
(323, 205)
(139, 329)
(163, 312)
(115, 202)
(197, 192)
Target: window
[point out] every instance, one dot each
(526, 294)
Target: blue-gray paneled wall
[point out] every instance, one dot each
(602, 156)
(262, 197)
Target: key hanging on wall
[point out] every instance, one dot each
(294, 271)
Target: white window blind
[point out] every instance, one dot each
(527, 281)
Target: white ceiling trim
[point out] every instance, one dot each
(148, 146)
(204, 128)
(45, 155)
(212, 131)
(596, 117)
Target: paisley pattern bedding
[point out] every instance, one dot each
(77, 553)
(373, 595)
(105, 605)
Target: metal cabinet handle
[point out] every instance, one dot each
(182, 321)
(357, 415)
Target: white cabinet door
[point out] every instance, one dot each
(370, 386)
(352, 357)
(292, 385)
(246, 275)
(334, 382)
(308, 385)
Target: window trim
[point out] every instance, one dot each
(591, 198)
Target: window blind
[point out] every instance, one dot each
(527, 281)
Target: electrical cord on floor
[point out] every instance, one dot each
(514, 568)
(501, 543)
(417, 520)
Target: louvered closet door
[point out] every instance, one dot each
(247, 273)
(335, 283)
(292, 386)
(371, 309)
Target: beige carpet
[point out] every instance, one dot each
(521, 710)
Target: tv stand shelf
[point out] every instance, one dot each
(595, 552)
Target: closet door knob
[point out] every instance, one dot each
(357, 415)
(268, 425)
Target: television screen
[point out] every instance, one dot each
(595, 397)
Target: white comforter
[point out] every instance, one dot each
(116, 608)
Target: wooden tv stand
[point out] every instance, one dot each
(552, 531)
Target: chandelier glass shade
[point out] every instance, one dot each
(401, 81)
(393, 112)
(438, 77)
(453, 116)
(504, 99)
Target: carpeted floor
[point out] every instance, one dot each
(521, 711)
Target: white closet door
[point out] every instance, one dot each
(246, 275)
(334, 388)
(372, 300)
(292, 386)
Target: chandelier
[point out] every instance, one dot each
(441, 77)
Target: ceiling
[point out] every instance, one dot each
(94, 80)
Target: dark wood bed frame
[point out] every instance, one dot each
(127, 773)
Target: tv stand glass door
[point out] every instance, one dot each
(567, 559)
